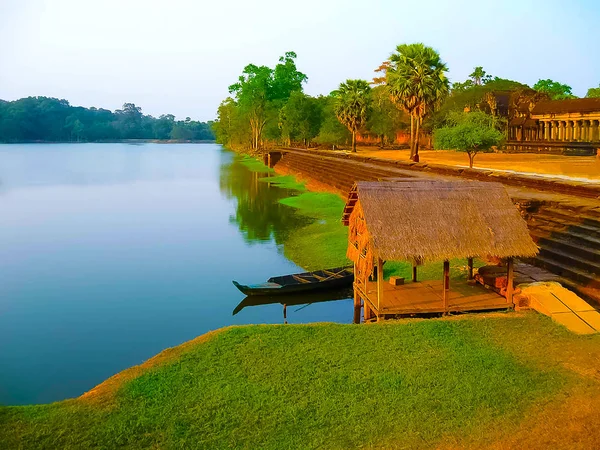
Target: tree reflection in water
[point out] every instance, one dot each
(258, 214)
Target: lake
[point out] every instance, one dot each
(110, 253)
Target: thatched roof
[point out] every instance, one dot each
(436, 220)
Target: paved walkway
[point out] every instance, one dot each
(564, 306)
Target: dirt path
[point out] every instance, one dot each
(586, 167)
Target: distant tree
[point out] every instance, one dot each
(417, 83)
(286, 78)
(54, 120)
(593, 92)
(260, 91)
(351, 106)
(556, 90)
(472, 133)
(479, 76)
(385, 119)
(332, 132)
(300, 119)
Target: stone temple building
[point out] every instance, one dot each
(556, 126)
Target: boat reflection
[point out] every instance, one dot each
(295, 299)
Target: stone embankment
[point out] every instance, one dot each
(563, 215)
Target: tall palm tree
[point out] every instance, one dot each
(351, 105)
(416, 79)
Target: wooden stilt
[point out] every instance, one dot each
(446, 284)
(470, 263)
(356, 307)
(367, 312)
(510, 281)
(379, 284)
(414, 275)
(284, 313)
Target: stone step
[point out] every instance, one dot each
(571, 260)
(580, 228)
(581, 277)
(550, 232)
(568, 246)
(591, 216)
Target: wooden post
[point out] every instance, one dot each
(446, 284)
(367, 311)
(379, 284)
(284, 313)
(414, 277)
(470, 263)
(356, 306)
(510, 278)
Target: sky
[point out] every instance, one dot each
(179, 56)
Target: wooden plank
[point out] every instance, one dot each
(300, 279)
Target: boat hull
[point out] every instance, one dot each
(311, 281)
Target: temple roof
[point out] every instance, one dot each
(575, 105)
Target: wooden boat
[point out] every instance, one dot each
(301, 282)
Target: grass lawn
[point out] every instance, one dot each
(410, 384)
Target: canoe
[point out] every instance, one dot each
(301, 282)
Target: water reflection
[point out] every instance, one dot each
(258, 213)
(304, 299)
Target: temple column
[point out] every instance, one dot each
(552, 124)
(577, 130)
(540, 134)
(586, 130)
(594, 130)
(570, 129)
(561, 130)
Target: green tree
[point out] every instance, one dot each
(300, 119)
(251, 93)
(479, 76)
(385, 119)
(472, 133)
(593, 92)
(261, 91)
(332, 132)
(416, 79)
(351, 105)
(556, 90)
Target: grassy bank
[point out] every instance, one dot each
(398, 385)
(323, 243)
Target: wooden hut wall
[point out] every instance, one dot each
(360, 248)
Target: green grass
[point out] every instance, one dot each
(284, 181)
(407, 385)
(323, 243)
(254, 165)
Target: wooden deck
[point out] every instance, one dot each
(427, 297)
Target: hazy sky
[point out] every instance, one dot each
(179, 56)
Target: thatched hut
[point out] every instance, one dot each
(426, 221)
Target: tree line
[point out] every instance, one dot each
(46, 119)
(411, 92)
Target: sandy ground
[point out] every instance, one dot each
(584, 167)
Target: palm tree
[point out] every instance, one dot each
(416, 79)
(351, 105)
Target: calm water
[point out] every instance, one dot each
(110, 253)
